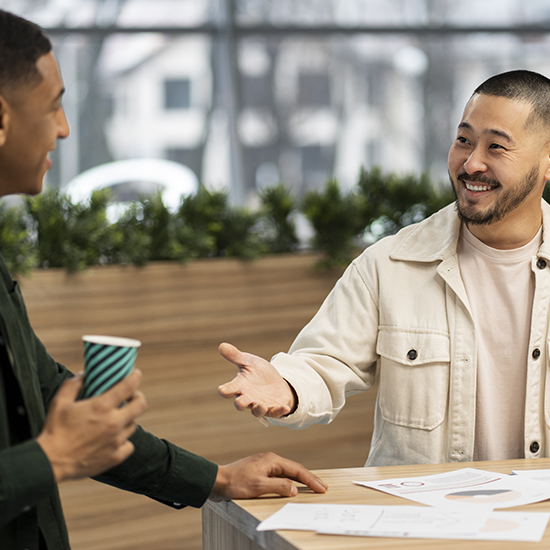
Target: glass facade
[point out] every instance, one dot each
(248, 93)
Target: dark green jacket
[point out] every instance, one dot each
(29, 499)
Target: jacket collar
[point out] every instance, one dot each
(436, 237)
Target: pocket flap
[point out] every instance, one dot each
(413, 347)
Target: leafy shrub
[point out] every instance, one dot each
(337, 220)
(394, 201)
(69, 235)
(131, 241)
(208, 226)
(51, 231)
(16, 246)
(279, 230)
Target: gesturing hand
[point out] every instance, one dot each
(262, 474)
(258, 386)
(85, 438)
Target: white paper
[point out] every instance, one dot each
(409, 522)
(501, 526)
(539, 475)
(394, 520)
(465, 488)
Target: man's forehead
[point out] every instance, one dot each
(48, 68)
(500, 112)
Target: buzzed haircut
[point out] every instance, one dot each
(22, 43)
(522, 85)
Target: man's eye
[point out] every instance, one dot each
(495, 146)
(461, 139)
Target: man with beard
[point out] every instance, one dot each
(452, 312)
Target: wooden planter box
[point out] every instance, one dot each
(181, 313)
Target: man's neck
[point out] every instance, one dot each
(509, 232)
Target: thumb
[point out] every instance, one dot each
(70, 389)
(231, 353)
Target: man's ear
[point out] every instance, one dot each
(4, 120)
(547, 159)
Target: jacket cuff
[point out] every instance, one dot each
(198, 476)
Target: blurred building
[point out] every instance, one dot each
(248, 93)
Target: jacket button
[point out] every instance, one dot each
(536, 353)
(534, 447)
(412, 354)
(541, 264)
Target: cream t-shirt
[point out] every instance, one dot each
(500, 285)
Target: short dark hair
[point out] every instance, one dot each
(522, 85)
(22, 43)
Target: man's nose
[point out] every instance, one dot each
(62, 125)
(475, 162)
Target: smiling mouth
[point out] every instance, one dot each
(479, 187)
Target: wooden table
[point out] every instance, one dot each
(232, 525)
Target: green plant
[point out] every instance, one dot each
(69, 235)
(278, 227)
(131, 244)
(159, 225)
(208, 226)
(337, 220)
(16, 245)
(392, 201)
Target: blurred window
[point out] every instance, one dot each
(177, 93)
(314, 90)
(256, 91)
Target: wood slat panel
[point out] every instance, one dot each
(181, 313)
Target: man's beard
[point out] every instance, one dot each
(505, 202)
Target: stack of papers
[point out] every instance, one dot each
(460, 505)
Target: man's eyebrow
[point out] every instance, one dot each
(493, 131)
(59, 95)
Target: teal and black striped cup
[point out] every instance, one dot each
(107, 360)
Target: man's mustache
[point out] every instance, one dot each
(478, 178)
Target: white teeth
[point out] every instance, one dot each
(471, 187)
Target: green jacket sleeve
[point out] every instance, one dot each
(164, 472)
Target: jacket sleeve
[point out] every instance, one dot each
(164, 472)
(334, 355)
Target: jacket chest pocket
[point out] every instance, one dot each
(414, 377)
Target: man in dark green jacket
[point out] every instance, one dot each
(47, 436)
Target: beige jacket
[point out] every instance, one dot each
(401, 307)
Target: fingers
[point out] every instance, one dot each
(278, 486)
(123, 452)
(297, 472)
(134, 407)
(235, 356)
(124, 390)
(230, 389)
(263, 474)
(243, 402)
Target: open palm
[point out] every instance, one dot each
(258, 386)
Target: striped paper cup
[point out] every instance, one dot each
(107, 360)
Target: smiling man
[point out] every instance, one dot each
(47, 436)
(452, 312)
